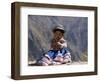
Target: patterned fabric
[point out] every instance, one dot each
(59, 53)
(55, 57)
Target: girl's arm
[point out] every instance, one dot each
(64, 44)
(55, 45)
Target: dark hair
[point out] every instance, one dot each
(58, 30)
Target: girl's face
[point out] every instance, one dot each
(58, 34)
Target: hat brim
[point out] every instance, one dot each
(61, 30)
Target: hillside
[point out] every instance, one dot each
(40, 34)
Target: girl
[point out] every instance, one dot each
(59, 53)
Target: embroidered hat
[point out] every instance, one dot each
(59, 28)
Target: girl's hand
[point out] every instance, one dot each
(59, 44)
(58, 59)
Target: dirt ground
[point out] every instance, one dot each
(33, 63)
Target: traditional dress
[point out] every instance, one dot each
(58, 54)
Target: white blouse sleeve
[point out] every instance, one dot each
(64, 44)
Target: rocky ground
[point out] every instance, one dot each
(33, 63)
